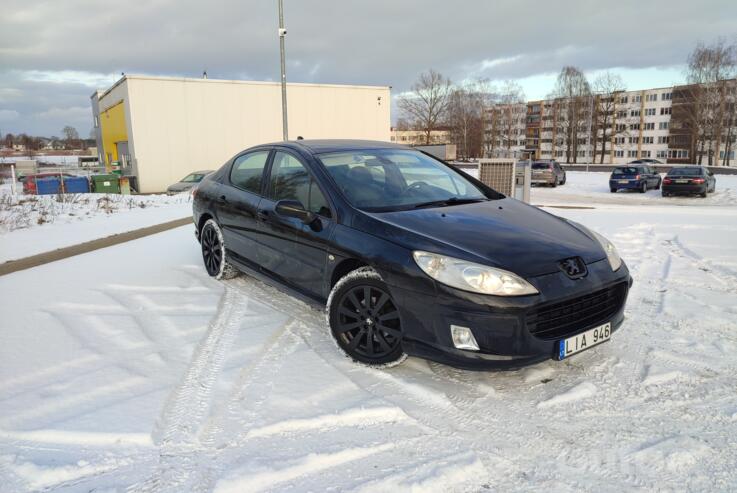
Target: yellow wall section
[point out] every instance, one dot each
(112, 123)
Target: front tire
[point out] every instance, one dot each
(643, 188)
(364, 320)
(214, 253)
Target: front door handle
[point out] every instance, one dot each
(223, 199)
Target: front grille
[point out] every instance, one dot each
(568, 317)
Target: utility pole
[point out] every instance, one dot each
(282, 34)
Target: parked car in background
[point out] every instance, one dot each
(640, 177)
(187, 182)
(689, 180)
(410, 255)
(646, 161)
(29, 181)
(548, 172)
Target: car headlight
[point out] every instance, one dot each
(615, 261)
(470, 276)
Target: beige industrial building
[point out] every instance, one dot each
(158, 129)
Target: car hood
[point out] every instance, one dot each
(506, 233)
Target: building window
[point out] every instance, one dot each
(662, 154)
(635, 113)
(618, 153)
(665, 111)
(649, 126)
(647, 140)
(649, 111)
(636, 99)
(645, 154)
(651, 97)
(631, 153)
(623, 100)
(619, 140)
(621, 114)
(635, 126)
(663, 139)
(621, 127)
(634, 140)
(663, 125)
(730, 155)
(678, 154)
(666, 96)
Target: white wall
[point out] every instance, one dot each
(181, 125)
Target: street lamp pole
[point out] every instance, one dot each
(282, 34)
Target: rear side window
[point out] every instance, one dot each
(540, 166)
(248, 170)
(291, 181)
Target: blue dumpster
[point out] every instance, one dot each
(76, 184)
(48, 186)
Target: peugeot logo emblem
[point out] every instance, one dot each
(574, 267)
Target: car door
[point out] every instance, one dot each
(293, 251)
(238, 200)
(654, 177)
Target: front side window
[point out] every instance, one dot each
(291, 181)
(193, 178)
(248, 170)
(381, 180)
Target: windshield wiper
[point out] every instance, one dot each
(448, 201)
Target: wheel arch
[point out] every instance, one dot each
(344, 267)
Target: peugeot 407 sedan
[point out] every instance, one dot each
(410, 256)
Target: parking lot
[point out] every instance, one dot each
(129, 367)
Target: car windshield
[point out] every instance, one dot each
(193, 178)
(625, 171)
(685, 172)
(380, 180)
(541, 165)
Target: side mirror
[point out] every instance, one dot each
(294, 208)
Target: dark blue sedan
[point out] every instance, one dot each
(639, 177)
(410, 256)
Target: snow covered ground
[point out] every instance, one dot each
(149, 375)
(31, 224)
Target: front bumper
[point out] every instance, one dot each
(501, 325)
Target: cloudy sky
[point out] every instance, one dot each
(54, 54)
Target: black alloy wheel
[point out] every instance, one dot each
(365, 322)
(212, 250)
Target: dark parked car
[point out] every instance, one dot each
(410, 255)
(646, 161)
(187, 182)
(689, 180)
(640, 177)
(548, 173)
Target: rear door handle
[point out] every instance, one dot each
(223, 199)
(262, 215)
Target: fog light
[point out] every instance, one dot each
(463, 338)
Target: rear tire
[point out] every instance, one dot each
(703, 194)
(555, 182)
(657, 187)
(613, 190)
(214, 253)
(364, 320)
(643, 188)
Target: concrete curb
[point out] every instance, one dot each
(89, 246)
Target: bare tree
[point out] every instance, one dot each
(707, 115)
(572, 95)
(465, 117)
(507, 117)
(71, 136)
(606, 87)
(426, 104)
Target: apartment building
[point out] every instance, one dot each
(418, 137)
(639, 124)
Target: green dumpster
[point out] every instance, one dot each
(106, 183)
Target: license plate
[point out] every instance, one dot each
(681, 181)
(624, 181)
(584, 341)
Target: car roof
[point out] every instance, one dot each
(319, 146)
